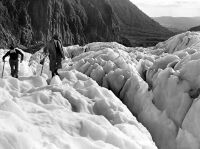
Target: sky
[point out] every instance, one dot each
(176, 8)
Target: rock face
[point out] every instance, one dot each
(136, 26)
(76, 21)
(178, 23)
(197, 28)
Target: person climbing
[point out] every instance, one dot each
(13, 61)
(55, 52)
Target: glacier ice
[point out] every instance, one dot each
(70, 111)
(183, 41)
(104, 89)
(158, 84)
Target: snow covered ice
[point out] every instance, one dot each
(102, 89)
(159, 85)
(71, 112)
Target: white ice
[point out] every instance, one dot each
(102, 89)
(71, 111)
(158, 84)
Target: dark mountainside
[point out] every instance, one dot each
(136, 26)
(178, 23)
(27, 22)
(197, 28)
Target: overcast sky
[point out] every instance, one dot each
(177, 8)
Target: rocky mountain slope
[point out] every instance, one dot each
(137, 26)
(178, 23)
(77, 22)
(197, 28)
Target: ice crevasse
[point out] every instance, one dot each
(159, 85)
(104, 89)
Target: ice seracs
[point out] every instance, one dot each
(190, 40)
(158, 84)
(70, 111)
(116, 70)
(101, 90)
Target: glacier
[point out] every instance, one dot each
(107, 96)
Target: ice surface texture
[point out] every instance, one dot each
(159, 85)
(73, 112)
(101, 87)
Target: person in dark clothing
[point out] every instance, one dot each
(14, 55)
(55, 52)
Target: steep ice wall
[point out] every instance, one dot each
(114, 69)
(158, 87)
